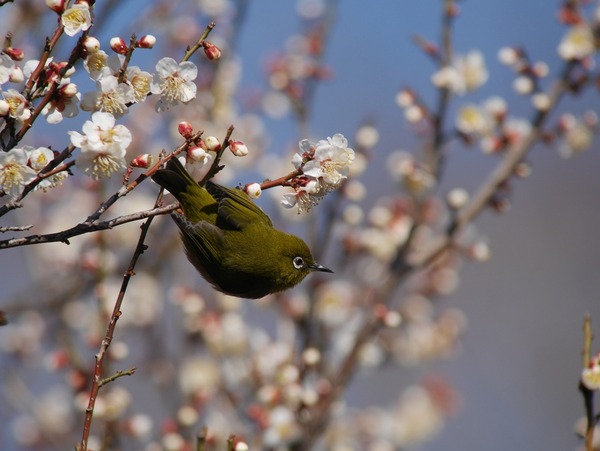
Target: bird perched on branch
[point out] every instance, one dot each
(231, 241)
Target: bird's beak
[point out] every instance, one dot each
(317, 267)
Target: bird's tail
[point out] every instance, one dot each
(175, 178)
(196, 202)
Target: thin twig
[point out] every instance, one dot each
(118, 374)
(15, 228)
(201, 439)
(97, 382)
(215, 167)
(231, 442)
(588, 395)
(436, 153)
(191, 50)
(87, 227)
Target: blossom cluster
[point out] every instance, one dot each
(20, 166)
(118, 86)
(323, 166)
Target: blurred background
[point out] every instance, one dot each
(519, 361)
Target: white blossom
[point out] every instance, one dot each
(103, 146)
(578, 43)
(329, 162)
(471, 119)
(77, 18)
(140, 81)
(465, 74)
(14, 172)
(17, 105)
(174, 82)
(96, 64)
(8, 69)
(110, 96)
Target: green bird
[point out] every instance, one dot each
(231, 241)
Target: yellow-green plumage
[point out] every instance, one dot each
(231, 241)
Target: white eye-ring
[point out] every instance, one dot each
(298, 262)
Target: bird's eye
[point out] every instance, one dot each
(298, 262)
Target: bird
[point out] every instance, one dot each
(231, 241)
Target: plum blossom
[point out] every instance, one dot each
(96, 63)
(578, 43)
(14, 172)
(472, 119)
(110, 96)
(331, 158)
(76, 18)
(324, 165)
(38, 160)
(9, 71)
(17, 105)
(140, 81)
(577, 135)
(465, 74)
(307, 194)
(103, 146)
(174, 82)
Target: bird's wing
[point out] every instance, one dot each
(235, 207)
(203, 243)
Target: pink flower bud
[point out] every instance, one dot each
(196, 153)
(118, 45)
(146, 42)
(211, 51)
(15, 53)
(4, 108)
(143, 161)
(212, 143)
(91, 44)
(238, 148)
(59, 66)
(69, 90)
(253, 190)
(185, 129)
(58, 6)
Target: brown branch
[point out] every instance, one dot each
(128, 56)
(50, 44)
(87, 227)
(75, 55)
(97, 382)
(281, 180)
